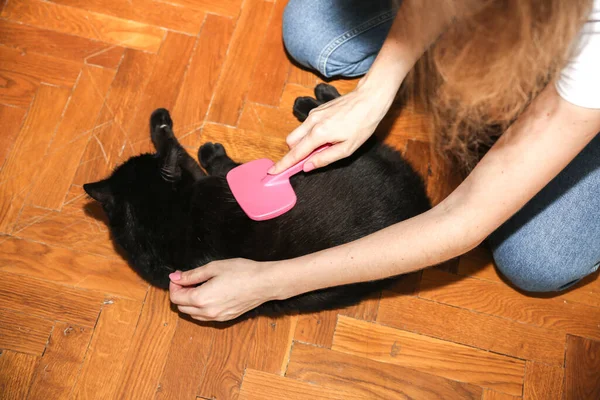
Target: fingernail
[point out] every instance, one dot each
(309, 167)
(271, 170)
(175, 276)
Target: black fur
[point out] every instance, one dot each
(167, 214)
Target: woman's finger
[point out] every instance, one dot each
(297, 134)
(192, 277)
(326, 157)
(306, 145)
(180, 295)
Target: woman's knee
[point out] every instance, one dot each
(534, 270)
(336, 38)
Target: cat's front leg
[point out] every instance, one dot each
(214, 159)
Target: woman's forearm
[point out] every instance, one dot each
(532, 152)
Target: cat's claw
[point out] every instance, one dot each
(161, 118)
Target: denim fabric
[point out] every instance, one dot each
(550, 244)
(336, 37)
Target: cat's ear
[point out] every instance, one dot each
(100, 191)
(170, 169)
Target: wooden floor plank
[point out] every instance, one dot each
(229, 8)
(100, 27)
(33, 39)
(270, 74)
(59, 367)
(202, 74)
(110, 58)
(72, 135)
(472, 329)
(316, 328)
(165, 15)
(73, 268)
(150, 347)
(503, 301)
(12, 118)
(233, 84)
(543, 382)
(271, 343)
(190, 347)
(113, 335)
(16, 373)
(371, 379)
(17, 89)
(259, 385)
(302, 76)
(49, 300)
(223, 375)
(24, 333)
(582, 368)
(433, 356)
(23, 161)
(51, 70)
(272, 121)
(164, 83)
(109, 138)
(492, 395)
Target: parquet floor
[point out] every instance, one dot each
(78, 81)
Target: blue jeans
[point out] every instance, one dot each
(554, 240)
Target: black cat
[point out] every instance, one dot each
(168, 214)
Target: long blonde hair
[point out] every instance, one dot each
(484, 70)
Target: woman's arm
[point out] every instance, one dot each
(348, 121)
(534, 150)
(526, 158)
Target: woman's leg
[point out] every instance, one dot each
(337, 37)
(554, 241)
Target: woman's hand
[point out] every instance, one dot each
(231, 288)
(346, 122)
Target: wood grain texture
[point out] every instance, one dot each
(271, 121)
(164, 82)
(232, 88)
(72, 135)
(543, 382)
(17, 89)
(433, 356)
(191, 346)
(113, 335)
(110, 58)
(223, 375)
(12, 118)
(230, 8)
(24, 333)
(86, 24)
(492, 395)
(59, 367)
(68, 267)
(316, 328)
(48, 300)
(371, 379)
(149, 12)
(500, 300)
(26, 39)
(202, 74)
(52, 70)
(259, 385)
(582, 368)
(270, 74)
(472, 329)
(149, 349)
(301, 76)
(34, 136)
(271, 343)
(16, 373)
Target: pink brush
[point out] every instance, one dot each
(263, 196)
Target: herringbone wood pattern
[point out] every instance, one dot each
(78, 81)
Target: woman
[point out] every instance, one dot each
(530, 68)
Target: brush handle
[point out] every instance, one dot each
(284, 176)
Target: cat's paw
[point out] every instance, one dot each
(302, 106)
(160, 118)
(326, 93)
(209, 152)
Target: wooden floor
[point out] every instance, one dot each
(78, 81)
